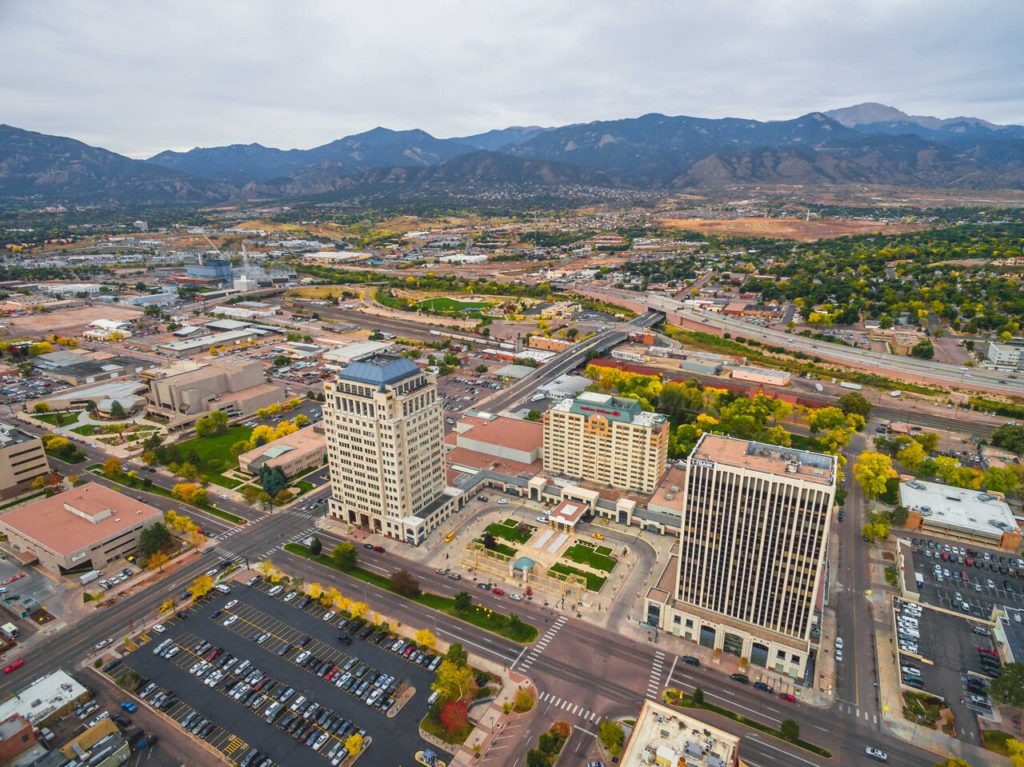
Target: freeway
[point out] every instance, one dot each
(565, 361)
(940, 373)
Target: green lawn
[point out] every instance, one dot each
(56, 419)
(503, 625)
(302, 486)
(603, 550)
(86, 430)
(594, 582)
(501, 548)
(585, 555)
(220, 479)
(801, 442)
(213, 454)
(509, 530)
(445, 304)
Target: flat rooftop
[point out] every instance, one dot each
(1012, 628)
(10, 436)
(216, 339)
(514, 433)
(305, 439)
(78, 518)
(972, 511)
(665, 736)
(621, 409)
(768, 459)
(43, 697)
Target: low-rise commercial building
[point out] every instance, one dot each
(354, 352)
(665, 737)
(190, 346)
(761, 375)
(45, 699)
(957, 512)
(21, 460)
(606, 440)
(80, 529)
(186, 390)
(511, 439)
(294, 454)
(81, 367)
(1006, 355)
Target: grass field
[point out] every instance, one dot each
(585, 555)
(445, 304)
(509, 530)
(594, 582)
(793, 228)
(86, 430)
(501, 548)
(212, 455)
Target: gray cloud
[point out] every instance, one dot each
(141, 77)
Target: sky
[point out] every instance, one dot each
(140, 77)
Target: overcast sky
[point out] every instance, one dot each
(140, 76)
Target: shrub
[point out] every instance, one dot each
(454, 717)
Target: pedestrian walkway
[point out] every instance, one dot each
(848, 708)
(531, 655)
(569, 707)
(657, 672)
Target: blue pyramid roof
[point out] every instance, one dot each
(379, 370)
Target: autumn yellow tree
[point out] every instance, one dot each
(157, 560)
(872, 471)
(454, 682)
(201, 586)
(314, 590)
(167, 606)
(354, 743)
(112, 468)
(912, 456)
(358, 609)
(426, 638)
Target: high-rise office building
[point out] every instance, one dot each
(606, 440)
(752, 552)
(385, 431)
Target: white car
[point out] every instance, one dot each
(159, 628)
(231, 603)
(230, 619)
(502, 501)
(839, 643)
(542, 518)
(839, 656)
(290, 596)
(328, 615)
(877, 754)
(515, 597)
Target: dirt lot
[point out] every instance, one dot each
(61, 321)
(788, 228)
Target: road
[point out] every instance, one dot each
(940, 373)
(563, 362)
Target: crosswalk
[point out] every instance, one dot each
(569, 707)
(535, 652)
(657, 671)
(227, 553)
(848, 708)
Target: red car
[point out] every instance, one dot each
(13, 666)
(983, 650)
(788, 697)
(379, 549)
(497, 592)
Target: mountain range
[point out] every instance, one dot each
(864, 144)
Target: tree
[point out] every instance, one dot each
(187, 471)
(167, 606)
(454, 717)
(912, 456)
(189, 492)
(283, 498)
(315, 546)
(273, 480)
(426, 638)
(149, 458)
(463, 601)
(855, 402)
(41, 407)
(871, 470)
(454, 682)
(212, 425)
(1002, 480)
(612, 736)
(523, 700)
(280, 361)
(74, 480)
(480, 369)
(875, 531)
(117, 409)
(954, 761)
(698, 696)
(403, 582)
(153, 539)
(923, 350)
(489, 541)
(112, 469)
(456, 654)
(38, 483)
(345, 556)
(157, 560)
(354, 744)
(201, 586)
(1009, 688)
(790, 730)
(1015, 749)
(1009, 437)
(534, 415)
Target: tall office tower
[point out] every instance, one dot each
(751, 555)
(385, 431)
(607, 440)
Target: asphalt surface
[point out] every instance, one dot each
(942, 373)
(394, 739)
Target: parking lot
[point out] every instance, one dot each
(966, 578)
(258, 670)
(949, 657)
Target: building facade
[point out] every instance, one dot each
(192, 389)
(385, 434)
(1009, 355)
(752, 552)
(294, 454)
(21, 460)
(606, 440)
